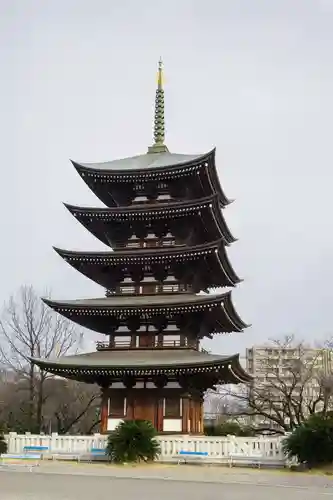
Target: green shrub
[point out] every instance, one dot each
(311, 442)
(3, 444)
(133, 441)
(228, 428)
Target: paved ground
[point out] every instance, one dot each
(96, 482)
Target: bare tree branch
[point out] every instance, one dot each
(30, 329)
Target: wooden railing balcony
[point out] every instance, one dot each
(166, 344)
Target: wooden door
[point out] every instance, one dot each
(146, 340)
(145, 407)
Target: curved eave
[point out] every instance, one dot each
(215, 182)
(225, 264)
(238, 372)
(232, 314)
(221, 223)
(227, 370)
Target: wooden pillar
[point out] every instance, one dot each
(104, 410)
(198, 416)
(159, 412)
(197, 420)
(130, 405)
(191, 416)
(160, 339)
(195, 417)
(199, 425)
(186, 414)
(133, 340)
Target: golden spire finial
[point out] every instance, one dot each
(160, 74)
(159, 125)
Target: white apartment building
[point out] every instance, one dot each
(269, 361)
(275, 366)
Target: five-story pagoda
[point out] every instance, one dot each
(164, 223)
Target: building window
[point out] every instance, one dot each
(117, 405)
(172, 407)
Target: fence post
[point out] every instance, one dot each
(53, 441)
(12, 442)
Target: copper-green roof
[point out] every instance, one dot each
(141, 362)
(144, 301)
(154, 166)
(138, 358)
(98, 314)
(145, 161)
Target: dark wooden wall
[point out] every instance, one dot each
(148, 404)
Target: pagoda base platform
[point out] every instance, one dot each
(171, 411)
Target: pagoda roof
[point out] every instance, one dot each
(135, 164)
(154, 255)
(153, 166)
(144, 362)
(148, 302)
(151, 305)
(155, 211)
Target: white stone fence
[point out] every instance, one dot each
(219, 449)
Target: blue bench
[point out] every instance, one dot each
(23, 456)
(29, 453)
(30, 459)
(27, 450)
(191, 456)
(98, 453)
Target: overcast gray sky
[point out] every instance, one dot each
(253, 78)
